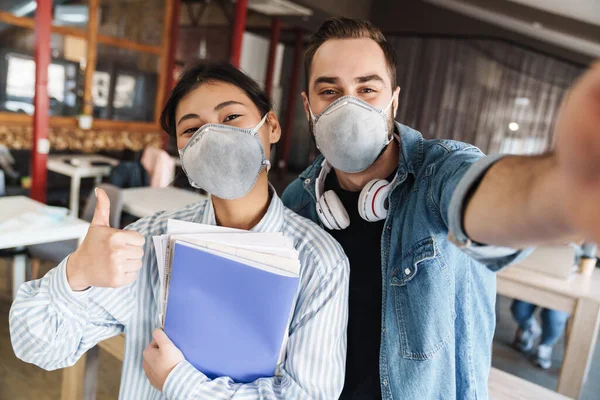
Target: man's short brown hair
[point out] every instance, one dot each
(347, 28)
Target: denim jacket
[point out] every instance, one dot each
(439, 288)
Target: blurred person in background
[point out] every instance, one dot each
(553, 321)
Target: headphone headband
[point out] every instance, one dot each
(320, 182)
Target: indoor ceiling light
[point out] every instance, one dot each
(513, 126)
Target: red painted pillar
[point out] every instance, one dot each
(41, 122)
(291, 107)
(173, 39)
(275, 30)
(237, 34)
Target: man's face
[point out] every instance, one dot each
(350, 67)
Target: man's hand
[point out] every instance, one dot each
(160, 357)
(578, 149)
(107, 257)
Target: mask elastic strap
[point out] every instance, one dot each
(267, 164)
(390, 134)
(389, 105)
(312, 116)
(260, 124)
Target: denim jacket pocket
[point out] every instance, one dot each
(423, 295)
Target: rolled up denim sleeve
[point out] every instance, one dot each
(456, 178)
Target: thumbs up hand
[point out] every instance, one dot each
(107, 257)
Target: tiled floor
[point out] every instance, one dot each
(21, 381)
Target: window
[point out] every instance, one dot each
(100, 88)
(124, 91)
(20, 86)
(123, 19)
(124, 81)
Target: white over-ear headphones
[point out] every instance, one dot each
(372, 202)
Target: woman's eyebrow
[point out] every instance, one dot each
(186, 117)
(221, 106)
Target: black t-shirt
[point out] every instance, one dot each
(362, 243)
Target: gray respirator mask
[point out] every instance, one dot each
(351, 133)
(224, 160)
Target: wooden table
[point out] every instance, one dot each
(23, 236)
(146, 201)
(79, 166)
(580, 297)
(80, 380)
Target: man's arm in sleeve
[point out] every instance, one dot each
(458, 175)
(529, 200)
(315, 359)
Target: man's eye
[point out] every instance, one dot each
(367, 90)
(328, 92)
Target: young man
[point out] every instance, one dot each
(437, 222)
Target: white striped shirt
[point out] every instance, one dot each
(52, 326)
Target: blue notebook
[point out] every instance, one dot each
(228, 318)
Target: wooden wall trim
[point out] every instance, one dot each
(19, 137)
(7, 118)
(91, 55)
(114, 41)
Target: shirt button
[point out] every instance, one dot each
(385, 382)
(407, 271)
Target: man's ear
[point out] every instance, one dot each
(395, 96)
(274, 127)
(306, 105)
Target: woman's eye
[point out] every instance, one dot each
(190, 131)
(231, 117)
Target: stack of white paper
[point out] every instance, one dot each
(270, 249)
(187, 247)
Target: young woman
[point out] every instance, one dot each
(224, 125)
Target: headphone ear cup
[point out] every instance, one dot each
(338, 211)
(331, 211)
(372, 202)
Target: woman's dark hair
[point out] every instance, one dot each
(200, 74)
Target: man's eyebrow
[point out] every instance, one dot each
(332, 80)
(369, 78)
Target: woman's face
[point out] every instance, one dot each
(222, 103)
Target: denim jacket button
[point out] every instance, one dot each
(385, 382)
(407, 271)
(307, 181)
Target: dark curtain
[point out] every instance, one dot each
(496, 95)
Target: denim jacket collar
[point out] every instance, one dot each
(411, 157)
